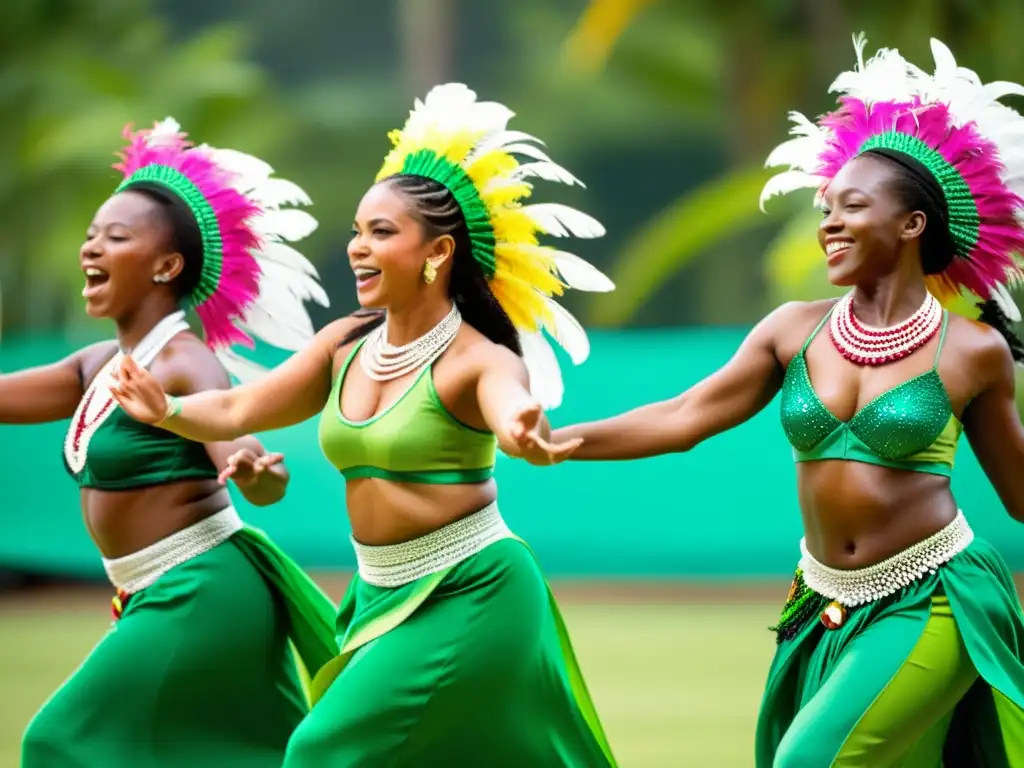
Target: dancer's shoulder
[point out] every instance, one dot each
(339, 332)
(792, 320)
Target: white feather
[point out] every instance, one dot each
(567, 331)
(560, 220)
(284, 254)
(289, 224)
(498, 140)
(274, 193)
(277, 324)
(542, 367)
(242, 369)
(278, 277)
(547, 170)
(453, 107)
(1005, 301)
(248, 170)
(581, 275)
(166, 128)
(528, 150)
(786, 182)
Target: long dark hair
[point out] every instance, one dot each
(185, 237)
(439, 213)
(917, 190)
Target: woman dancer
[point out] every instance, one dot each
(198, 667)
(452, 648)
(899, 644)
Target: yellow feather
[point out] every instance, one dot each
(540, 279)
(491, 165)
(511, 225)
(525, 274)
(452, 146)
(538, 272)
(507, 195)
(541, 255)
(525, 307)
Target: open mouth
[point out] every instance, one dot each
(95, 279)
(365, 276)
(836, 247)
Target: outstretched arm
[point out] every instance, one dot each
(513, 413)
(49, 392)
(187, 366)
(993, 427)
(293, 392)
(727, 398)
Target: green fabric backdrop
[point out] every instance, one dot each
(727, 509)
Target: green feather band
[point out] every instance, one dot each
(452, 177)
(176, 182)
(963, 212)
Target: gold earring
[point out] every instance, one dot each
(429, 273)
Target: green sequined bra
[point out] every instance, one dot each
(911, 426)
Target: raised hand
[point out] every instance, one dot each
(245, 467)
(526, 438)
(138, 392)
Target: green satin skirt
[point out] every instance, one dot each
(929, 677)
(471, 666)
(206, 667)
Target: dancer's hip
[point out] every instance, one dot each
(133, 573)
(396, 565)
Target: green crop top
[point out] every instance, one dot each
(911, 426)
(124, 454)
(414, 440)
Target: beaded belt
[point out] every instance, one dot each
(133, 573)
(865, 585)
(831, 591)
(393, 565)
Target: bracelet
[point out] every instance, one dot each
(173, 408)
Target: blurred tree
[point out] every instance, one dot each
(773, 56)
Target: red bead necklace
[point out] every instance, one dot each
(868, 345)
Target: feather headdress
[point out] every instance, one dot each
(953, 125)
(252, 283)
(465, 145)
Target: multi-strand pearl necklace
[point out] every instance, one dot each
(382, 362)
(98, 403)
(870, 345)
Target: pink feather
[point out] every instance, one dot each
(976, 159)
(240, 273)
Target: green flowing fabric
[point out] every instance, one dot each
(928, 677)
(468, 666)
(310, 612)
(198, 671)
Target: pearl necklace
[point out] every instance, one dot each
(98, 403)
(870, 345)
(382, 362)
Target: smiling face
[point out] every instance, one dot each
(866, 227)
(389, 248)
(126, 246)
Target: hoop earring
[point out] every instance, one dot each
(429, 273)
